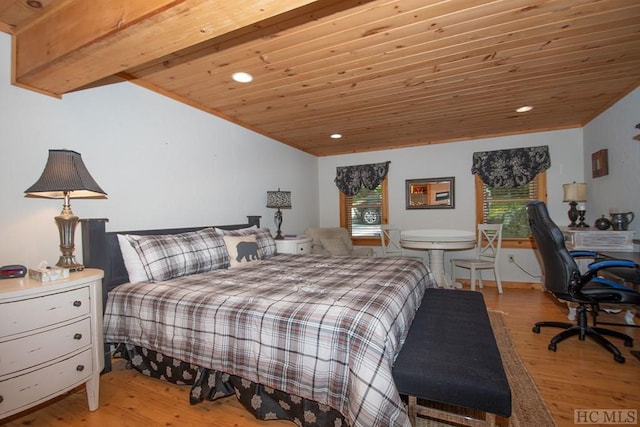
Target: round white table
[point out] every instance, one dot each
(436, 241)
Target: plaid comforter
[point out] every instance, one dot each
(323, 328)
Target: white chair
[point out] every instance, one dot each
(487, 255)
(390, 242)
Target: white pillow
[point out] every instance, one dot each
(242, 250)
(134, 266)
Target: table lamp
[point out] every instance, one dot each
(278, 200)
(575, 193)
(65, 177)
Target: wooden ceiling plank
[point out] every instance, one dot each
(17, 14)
(87, 41)
(473, 66)
(255, 89)
(313, 46)
(313, 59)
(587, 95)
(385, 88)
(463, 106)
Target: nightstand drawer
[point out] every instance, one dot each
(42, 347)
(26, 390)
(295, 246)
(33, 313)
(303, 248)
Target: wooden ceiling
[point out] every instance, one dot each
(383, 73)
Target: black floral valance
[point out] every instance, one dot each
(351, 179)
(510, 168)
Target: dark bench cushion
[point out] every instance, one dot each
(451, 356)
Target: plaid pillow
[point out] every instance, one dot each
(166, 256)
(265, 241)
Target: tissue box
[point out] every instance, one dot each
(48, 274)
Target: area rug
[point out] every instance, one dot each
(528, 407)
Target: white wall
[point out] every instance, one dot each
(162, 163)
(165, 164)
(455, 159)
(614, 130)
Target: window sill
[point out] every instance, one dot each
(365, 241)
(518, 243)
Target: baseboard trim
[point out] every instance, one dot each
(505, 285)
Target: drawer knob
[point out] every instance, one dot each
(77, 303)
(77, 336)
(80, 368)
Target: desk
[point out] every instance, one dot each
(631, 256)
(436, 242)
(627, 276)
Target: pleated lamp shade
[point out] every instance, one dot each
(65, 172)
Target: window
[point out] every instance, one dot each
(507, 206)
(363, 213)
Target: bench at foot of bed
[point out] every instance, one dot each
(450, 366)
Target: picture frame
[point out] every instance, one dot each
(599, 163)
(430, 193)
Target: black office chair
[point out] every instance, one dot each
(562, 278)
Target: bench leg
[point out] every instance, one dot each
(413, 403)
(491, 419)
(440, 414)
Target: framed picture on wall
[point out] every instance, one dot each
(430, 193)
(599, 163)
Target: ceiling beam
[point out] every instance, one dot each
(86, 41)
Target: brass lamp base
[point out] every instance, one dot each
(277, 218)
(67, 222)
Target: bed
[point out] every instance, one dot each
(308, 338)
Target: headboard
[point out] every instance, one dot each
(100, 248)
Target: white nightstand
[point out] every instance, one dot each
(51, 339)
(296, 245)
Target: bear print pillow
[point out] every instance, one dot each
(242, 250)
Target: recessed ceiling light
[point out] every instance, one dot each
(242, 77)
(524, 109)
(336, 135)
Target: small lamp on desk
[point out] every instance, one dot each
(576, 194)
(66, 177)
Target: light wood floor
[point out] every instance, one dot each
(580, 375)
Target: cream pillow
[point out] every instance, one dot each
(335, 246)
(242, 250)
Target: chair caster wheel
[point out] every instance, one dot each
(536, 329)
(552, 347)
(618, 359)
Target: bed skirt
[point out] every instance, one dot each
(263, 402)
